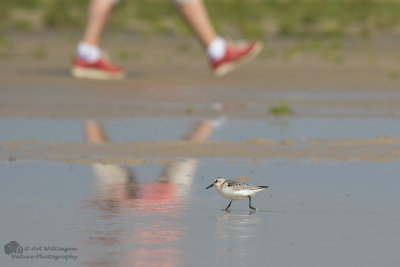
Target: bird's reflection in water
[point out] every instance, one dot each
(235, 230)
(237, 225)
(137, 224)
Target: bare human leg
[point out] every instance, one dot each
(89, 62)
(224, 58)
(98, 14)
(195, 15)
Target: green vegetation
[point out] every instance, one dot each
(280, 110)
(23, 25)
(393, 74)
(189, 110)
(123, 55)
(249, 18)
(330, 49)
(5, 46)
(40, 52)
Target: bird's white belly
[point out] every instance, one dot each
(232, 194)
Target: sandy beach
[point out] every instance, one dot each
(113, 173)
(174, 81)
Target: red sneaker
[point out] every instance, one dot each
(100, 69)
(235, 56)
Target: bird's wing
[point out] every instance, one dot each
(238, 185)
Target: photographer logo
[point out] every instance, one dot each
(40, 252)
(13, 247)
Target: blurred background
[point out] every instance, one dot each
(319, 27)
(254, 18)
(118, 169)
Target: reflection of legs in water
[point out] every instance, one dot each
(201, 131)
(181, 172)
(94, 133)
(117, 201)
(223, 57)
(113, 181)
(113, 178)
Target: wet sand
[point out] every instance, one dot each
(116, 170)
(380, 149)
(167, 75)
(176, 82)
(141, 216)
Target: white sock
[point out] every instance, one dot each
(216, 50)
(88, 52)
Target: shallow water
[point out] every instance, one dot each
(325, 214)
(322, 213)
(126, 130)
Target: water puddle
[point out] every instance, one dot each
(132, 130)
(154, 215)
(160, 214)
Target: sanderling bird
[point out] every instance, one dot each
(236, 190)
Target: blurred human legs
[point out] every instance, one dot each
(89, 62)
(195, 15)
(98, 14)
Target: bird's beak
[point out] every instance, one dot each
(211, 185)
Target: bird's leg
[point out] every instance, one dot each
(226, 209)
(250, 206)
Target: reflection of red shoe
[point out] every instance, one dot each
(235, 56)
(100, 69)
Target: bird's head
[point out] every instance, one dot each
(217, 182)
